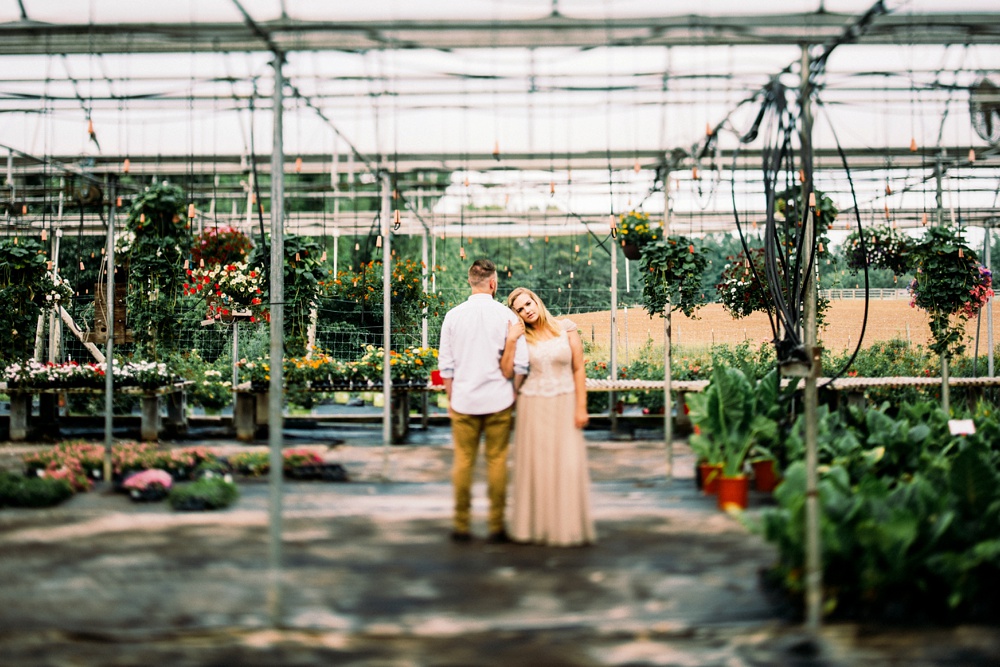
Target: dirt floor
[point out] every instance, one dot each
(369, 577)
(887, 319)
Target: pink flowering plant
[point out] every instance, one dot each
(951, 285)
(148, 481)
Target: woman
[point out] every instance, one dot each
(551, 497)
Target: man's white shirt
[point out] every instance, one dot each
(473, 337)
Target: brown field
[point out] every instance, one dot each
(887, 319)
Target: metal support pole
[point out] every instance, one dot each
(275, 421)
(668, 399)
(385, 231)
(109, 316)
(612, 396)
(423, 281)
(814, 563)
(989, 304)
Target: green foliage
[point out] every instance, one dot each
(157, 240)
(733, 414)
(884, 248)
(251, 464)
(909, 514)
(634, 227)
(18, 491)
(207, 493)
(949, 285)
(672, 268)
(304, 268)
(26, 289)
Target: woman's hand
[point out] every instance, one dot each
(581, 418)
(514, 330)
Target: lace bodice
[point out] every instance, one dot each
(550, 370)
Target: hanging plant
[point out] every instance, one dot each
(673, 267)
(634, 232)
(950, 284)
(741, 294)
(884, 248)
(27, 288)
(220, 245)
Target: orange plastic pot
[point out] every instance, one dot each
(765, 478)
(709, 474)
(733, 492)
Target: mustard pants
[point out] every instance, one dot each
(466, 431)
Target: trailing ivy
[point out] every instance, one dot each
(672, 267)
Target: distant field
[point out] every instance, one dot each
(887, 319)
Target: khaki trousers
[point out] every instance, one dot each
(465, 432)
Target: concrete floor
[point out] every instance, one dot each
(370, 578)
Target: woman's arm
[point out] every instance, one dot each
(581, 418)
(514, 331)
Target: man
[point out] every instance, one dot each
(480, 394)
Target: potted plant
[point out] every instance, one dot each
(634, 232)
(735, 413)
(672, 268)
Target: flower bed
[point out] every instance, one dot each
(33, 374)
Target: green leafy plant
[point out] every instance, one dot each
(634, 228)
(672, 267)
(950, 284)
(733, 414)
(208, 493)
(884, 248)
(18, 491)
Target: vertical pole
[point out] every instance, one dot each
(814, 565)
(275, 421)
(109, 316)
(612, 397)
(939, 218)
(55, 323)
(989, 304)
(385, 230)
(423, 280)
(668, 399)
(236, 353)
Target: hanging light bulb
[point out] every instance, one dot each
(821, 247)
(802, 175)
(357, 247)
(588, 262)
(571, 275)
(637, 167)
(972, 155)
(923, 220)
(691, 248)
(694, 173)
(496, 150)
(297, 258)
(253, 197)
(378, 241)
(81, 265)
(754, 224)
(888, 188)
(186, 264)
(576, 248)
(322, 257)
(461, 252)
(201, 263)
(118, 202)
(560, 290)
(298, 165)
(708, 129)
(45, 235)
(24, 209)
(887, 211)
(142, 218)
(466, 181)
(812, 200)
(191, 210)
(612, 223)
(546, 238)
(91, 252)
(560, 272)
(126, 166)
(913, 145)
(961, 253)
(531, 267)
(552, 187)
(90, 127)
(395, 217)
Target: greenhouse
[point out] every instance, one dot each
(233, 231)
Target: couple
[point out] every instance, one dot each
(490, 355)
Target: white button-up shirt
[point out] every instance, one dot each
(473, 337)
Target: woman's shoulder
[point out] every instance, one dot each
(567, 324)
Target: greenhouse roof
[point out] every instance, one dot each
(533, 107)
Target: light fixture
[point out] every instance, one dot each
(126, 166)
(913, 145)
(298, 165)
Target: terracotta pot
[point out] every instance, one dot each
(733, 492)
(765, 478)
(632, 251)
(709, 474)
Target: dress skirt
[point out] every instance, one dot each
(551, 496)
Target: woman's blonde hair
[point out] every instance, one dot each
(545, 320)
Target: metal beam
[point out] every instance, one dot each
(289, 34)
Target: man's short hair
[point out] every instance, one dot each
(481, 271)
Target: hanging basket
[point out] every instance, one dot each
(632, 251)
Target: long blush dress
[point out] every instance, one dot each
(551, 497)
